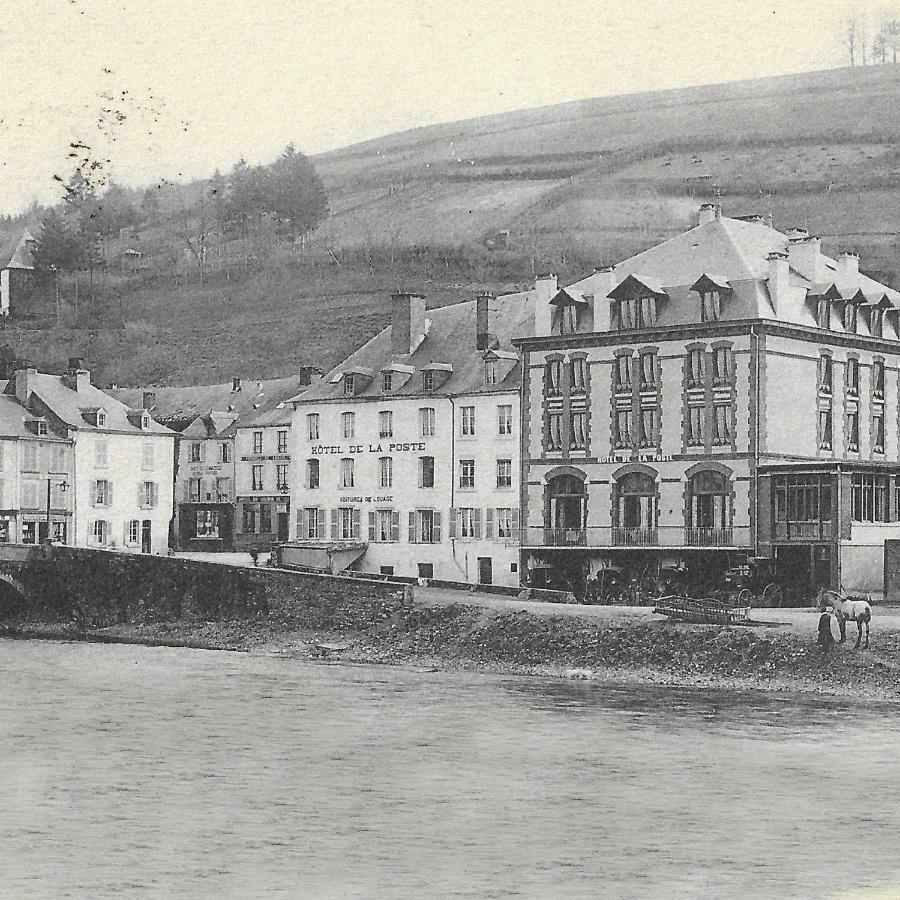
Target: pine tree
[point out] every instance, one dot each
(296, 193)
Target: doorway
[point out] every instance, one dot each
(282, 527)
(485, 570)
(146, 537)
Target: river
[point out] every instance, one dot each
(154, 772)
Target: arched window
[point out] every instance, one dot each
(709, 506)
(567, 509)
(635, 507)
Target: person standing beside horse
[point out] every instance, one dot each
(826, 638)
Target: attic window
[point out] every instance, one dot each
(101, 418)
(850, 317)
(387, 381)
(710, 306)
(145, 421)
(636, 312)
(42, 429)
(490, 371)
(428, 380)
(349, 384)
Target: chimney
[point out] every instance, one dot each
(709, 212)
(149, 400)
(602, 281)
(779, 273)
(24, 383)
(545, 289)
(235, 384)
(805, 254)
(848, 269)
(483, 320)
(77, 378)
(408, 326)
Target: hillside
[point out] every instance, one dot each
(451, 209)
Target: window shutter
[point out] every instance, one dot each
(154, 494)
(514, 523)
(476, 514)
(395, 526)
(320, 524)
(371, 527)
(355, 526)
(125, 536)
(335, 534)
(94, 493)
(109, 493)
(412, 526)
(140, 494)
(452, 523)
(421, 471)
(436, 529)
(187, 490)
(489, 524)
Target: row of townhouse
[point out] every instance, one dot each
(729, 394)
(232, 459)
(79, 467)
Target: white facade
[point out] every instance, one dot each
(123, 491)
(361, 470)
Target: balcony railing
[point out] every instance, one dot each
(708, 537)
(635, 537)
(663, 536)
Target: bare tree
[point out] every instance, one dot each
(194, 229)
(850, 37)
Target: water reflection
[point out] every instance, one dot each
(156, 772)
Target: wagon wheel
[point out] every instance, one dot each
(772, 594)
(744, 597)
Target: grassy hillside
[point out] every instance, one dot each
(573, 185)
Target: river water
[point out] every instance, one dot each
(153, 772)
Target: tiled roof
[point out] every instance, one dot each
(450, 340)
(13, 416)
(69, 406)
(181, 405)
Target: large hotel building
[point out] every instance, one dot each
(729, 393)
(406, 456)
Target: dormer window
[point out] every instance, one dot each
(101, 418)
(823, 312)
(710, 306)
(42, 429)
(428, 380)
(490, 371)
(850, 317)
(349, 384)
(876, 324)
(387, 381)
(636, 312)
(145, 421)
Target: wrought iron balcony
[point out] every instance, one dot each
(663, 536)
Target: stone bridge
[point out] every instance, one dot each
(99, 588)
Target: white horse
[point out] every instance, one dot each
(859, 611)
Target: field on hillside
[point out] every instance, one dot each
(485, 203)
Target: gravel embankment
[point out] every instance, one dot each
(777, 654)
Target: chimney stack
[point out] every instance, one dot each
(602, 281)
(24, 382)
(709, 212)
(77, 378)
(848, 269)
(408, 325)
(235, 384)
(805, 254)
(483, 320)
(545, 289)
(779, 275)
(149, 400)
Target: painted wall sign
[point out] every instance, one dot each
(393, 447)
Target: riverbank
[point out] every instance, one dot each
(571, 644)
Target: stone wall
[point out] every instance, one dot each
(97, 588)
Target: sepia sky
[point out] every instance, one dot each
(201, 83)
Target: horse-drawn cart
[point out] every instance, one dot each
(701, 612)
